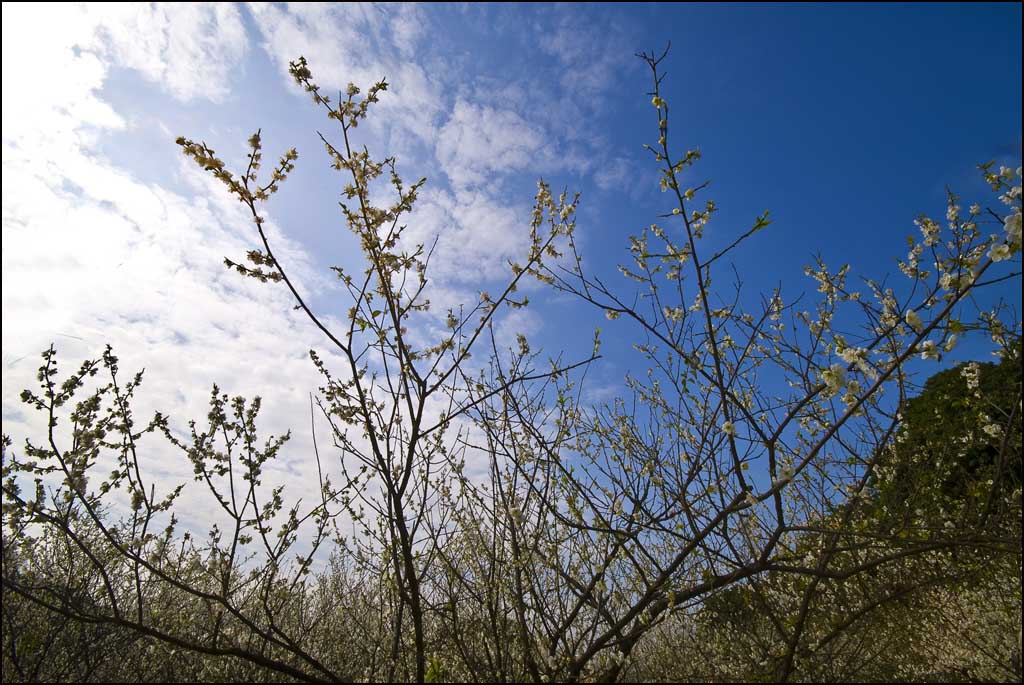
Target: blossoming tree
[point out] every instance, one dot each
(746, 457)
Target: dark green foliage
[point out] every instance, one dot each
(950, 458)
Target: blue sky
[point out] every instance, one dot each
(844, 121)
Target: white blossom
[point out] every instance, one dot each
(929, 229)
(1012, 225)
(914, 321)
(972, 374)
(1000, 252)
(786, 474)
(833, 378)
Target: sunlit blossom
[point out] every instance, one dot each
(914, 321)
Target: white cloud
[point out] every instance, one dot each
(613, 174)
(590, 55)
(408, 26)
(47, 89)
(518, 321)
(93, 256)
(624, 177)
(190, 49)
(487, 131)
(358, 43)
(476, 235)
(138, 267)
(479, 142)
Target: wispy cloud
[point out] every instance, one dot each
(476, 233)
(191, 50)
(479, 124)
(358, 43)
(479, 144)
